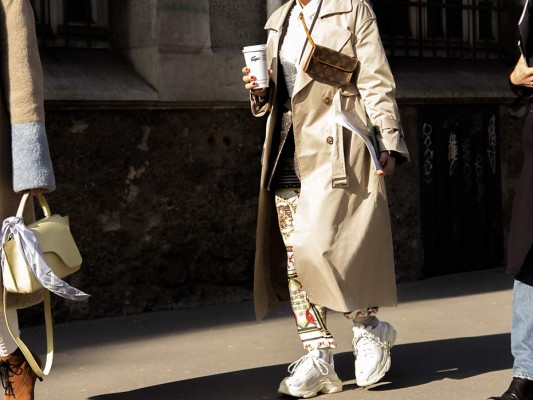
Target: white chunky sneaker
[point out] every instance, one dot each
(311, 375)
(371, 347)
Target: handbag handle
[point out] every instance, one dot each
(42, 201)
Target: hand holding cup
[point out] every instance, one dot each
(256, 73)
(251, 83)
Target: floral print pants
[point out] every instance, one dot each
(310, 318)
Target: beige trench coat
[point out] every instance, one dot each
(343, 243)
(23, 146)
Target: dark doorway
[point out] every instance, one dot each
(460, 188)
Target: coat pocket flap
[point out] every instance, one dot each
(329, 35)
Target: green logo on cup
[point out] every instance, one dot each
(256, 58)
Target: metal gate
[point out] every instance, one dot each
(460, 188)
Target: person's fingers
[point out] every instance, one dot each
(250, 85)
(389, 169)
(387, 162)
(248, 78)
(383, 157)
(390, 166)
(521, 62)
(522, 75)
(250, 81)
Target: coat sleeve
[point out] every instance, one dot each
(375, 81)
(259, 105)
(22, 84)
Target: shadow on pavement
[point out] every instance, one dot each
(464, 284)
(413, 364)
(459, 358)
(150, 325)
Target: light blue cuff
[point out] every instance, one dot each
(32, 165)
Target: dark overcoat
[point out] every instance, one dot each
(521, 234)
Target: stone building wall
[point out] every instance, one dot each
(163, 204)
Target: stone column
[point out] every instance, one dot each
(183, 26)
(272, 5)
(187, 66)
(171, 44)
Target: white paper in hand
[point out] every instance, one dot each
(352, 122)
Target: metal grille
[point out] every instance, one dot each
(460, 188)
(73, 23)
(460, 29)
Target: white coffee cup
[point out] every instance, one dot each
(256, 61)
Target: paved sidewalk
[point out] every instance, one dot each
(453, 344)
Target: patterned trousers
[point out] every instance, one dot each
(310, 318)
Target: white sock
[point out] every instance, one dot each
(325, 354)
(7, 343)
(366, 322)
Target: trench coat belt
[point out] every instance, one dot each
(340, 178)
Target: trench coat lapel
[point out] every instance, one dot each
(277, 19)
(330, 7)
(324, 34)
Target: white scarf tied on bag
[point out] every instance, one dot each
(29, 247)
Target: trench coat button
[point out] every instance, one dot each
(329, 140)
(328, 101)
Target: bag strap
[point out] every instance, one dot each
(41, 373)
(42, 201)
(302, 18)
(308, 31)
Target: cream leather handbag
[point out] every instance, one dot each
(57, 245)
(36, 257)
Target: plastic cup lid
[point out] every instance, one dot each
(258, 47)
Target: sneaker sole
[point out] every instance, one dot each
(325, 387)
(384, 366)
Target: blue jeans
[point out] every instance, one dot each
(522, 331)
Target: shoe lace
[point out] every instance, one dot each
(6, 372)
(366, 338)
(308, 361)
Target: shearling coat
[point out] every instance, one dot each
(24, 155)
(343, 242)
